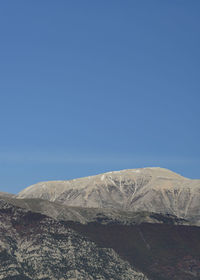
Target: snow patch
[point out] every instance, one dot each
(102, 177)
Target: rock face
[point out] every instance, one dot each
(33, 246)
(147, 189)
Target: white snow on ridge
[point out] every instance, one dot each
(102, 177)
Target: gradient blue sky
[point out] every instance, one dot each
(93, 86)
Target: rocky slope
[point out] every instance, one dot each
(161, 251)
(85, 215)
(130, 224)
(146, 189)
(9, 195)
(33, 247)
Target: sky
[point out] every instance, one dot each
(92, 86)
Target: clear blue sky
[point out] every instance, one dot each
(92, 86)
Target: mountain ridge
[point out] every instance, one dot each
(150, 189)
(131, 224)
(87, 215)
(36, 247)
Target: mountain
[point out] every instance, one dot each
(5, 194)
(146, 189)
(139, 224)
(85, 215)
(34, 246)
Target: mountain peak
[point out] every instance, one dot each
(152, 189)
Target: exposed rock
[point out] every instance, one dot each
(33, 246)
(5, 194)
(146, 189)
(125, 225)
(87, 215)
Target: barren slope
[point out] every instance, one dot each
(146, 189)
(33, 247)
(85, 215)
